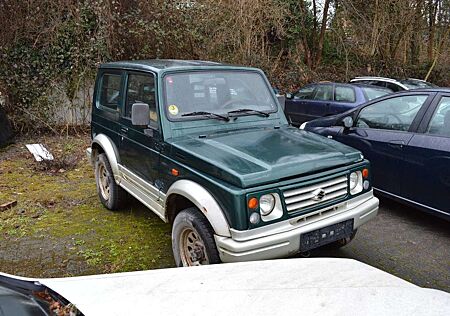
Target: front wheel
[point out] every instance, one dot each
(193, 239)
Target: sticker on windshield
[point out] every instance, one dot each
(173, 109)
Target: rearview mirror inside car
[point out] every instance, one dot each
(140, 114)
(347, 122)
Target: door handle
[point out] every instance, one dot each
(124, 129)
(397, 143)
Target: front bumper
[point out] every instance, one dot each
(283, 239)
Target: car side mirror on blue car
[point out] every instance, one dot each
(347, 122)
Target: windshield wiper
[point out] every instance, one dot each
(208, 114)
(248, 111)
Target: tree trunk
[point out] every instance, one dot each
(318, 55)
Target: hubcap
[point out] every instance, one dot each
(103, 182)
(192, 248)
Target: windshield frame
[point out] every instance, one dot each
(216, 70)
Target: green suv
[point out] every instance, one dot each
(207, 147)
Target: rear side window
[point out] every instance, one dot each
(344, 94)
(440, 123)
(324, 93)
(394, 87)
(110, 91)
(141, 89)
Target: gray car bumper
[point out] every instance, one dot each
(283, 239)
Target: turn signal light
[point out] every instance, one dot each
(175, 172)
(365, 173)
(252, 203)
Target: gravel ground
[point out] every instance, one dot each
(401, 240)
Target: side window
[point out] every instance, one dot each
(141, 88)
(305, 93)
(440, 123)
(393, 87)
(379, 83)
(344, 94)
(110, 90)
(324, 93)
(393, 114)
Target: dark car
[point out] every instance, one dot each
(324, 99)
(406, 136)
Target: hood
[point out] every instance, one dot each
(247, 158)
(332, 286)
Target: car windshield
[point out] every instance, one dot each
(418, 84)
(373, 93)
(201, 94)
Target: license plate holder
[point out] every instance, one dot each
(325, 235)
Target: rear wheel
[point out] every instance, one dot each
(112, 196)
(193, 239)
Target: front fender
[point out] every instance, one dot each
(204, 201)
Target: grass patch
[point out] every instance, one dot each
(60, 220)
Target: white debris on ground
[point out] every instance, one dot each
(39, 152)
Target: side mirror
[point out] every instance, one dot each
(140, 114)
(289, 96)
(281, 100)
(347, 122)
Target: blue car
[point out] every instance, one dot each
(324, 99)
(406, 137)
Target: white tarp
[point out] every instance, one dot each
(39, 152)
(310, 286)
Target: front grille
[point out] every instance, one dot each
(305, 197)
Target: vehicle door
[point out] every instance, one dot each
(381, 130)
(108, 100)
(428, 158)
(320, 103)
(295, 108)
(344, 100)
(140, 145)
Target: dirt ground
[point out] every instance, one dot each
(59, 228)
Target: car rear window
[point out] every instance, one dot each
(373, 93)
(344, 94)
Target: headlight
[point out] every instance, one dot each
(353, 180)
(356, 182)
(266, 204)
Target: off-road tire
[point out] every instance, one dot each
(117, 196)
(192, 219)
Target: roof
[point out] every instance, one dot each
(446, 90)
(374, 77)
(165, 65)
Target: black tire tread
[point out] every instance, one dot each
(201, 224)
(118, 195)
